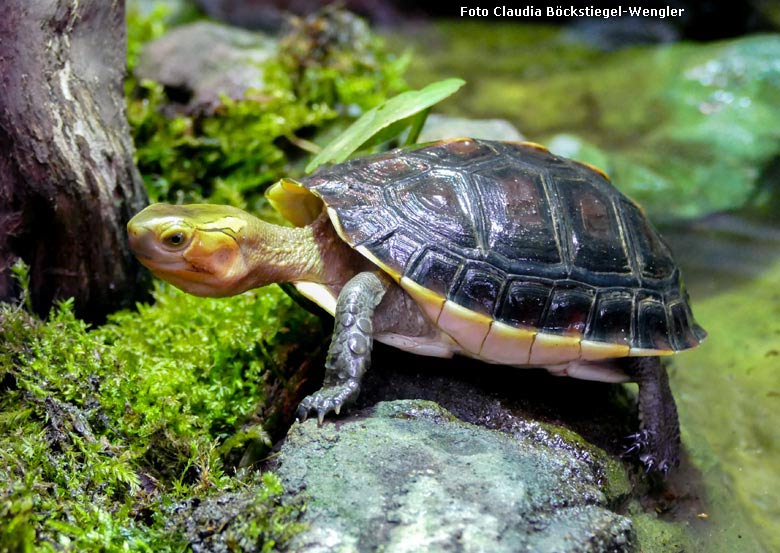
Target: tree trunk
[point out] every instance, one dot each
(68, 184)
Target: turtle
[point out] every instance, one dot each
(501, 251)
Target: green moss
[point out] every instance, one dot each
(141, 29)
(613, 476)
(121, 437)
(103, 432)
(329, 69)
(728, 394)
(118, 438)
(656, 536)
(251, 518)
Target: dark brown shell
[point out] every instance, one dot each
(519, 234)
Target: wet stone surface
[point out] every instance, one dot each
(408, 476)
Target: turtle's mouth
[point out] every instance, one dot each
(191, 278)
(169, 267)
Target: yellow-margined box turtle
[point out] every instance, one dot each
(500, 251)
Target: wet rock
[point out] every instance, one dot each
(409, 476)
(439, 127)
(199, 62)
(696, 130)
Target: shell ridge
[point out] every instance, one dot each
(475, 193)
(628, 239)
(560, 220)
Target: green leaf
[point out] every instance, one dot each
(400, 108)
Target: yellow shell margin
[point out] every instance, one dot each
(294, 202)
(497, 342)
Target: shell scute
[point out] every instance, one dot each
(612, 318)
(520, 225)
(652, 325)
(394, 250)
(594, 236)
(435, 269)
(683, 327)
(653, 256)
(569, 310)
(479, 287)
(456, 152)
(394, 169)
(366, 224)
(435, 203)
(524, 303)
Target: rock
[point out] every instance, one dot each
(409, 476)
(439, 127)
(201, 61)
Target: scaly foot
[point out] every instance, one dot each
(328, 399)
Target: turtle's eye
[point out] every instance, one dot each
(174, 238)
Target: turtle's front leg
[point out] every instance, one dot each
(349, 355)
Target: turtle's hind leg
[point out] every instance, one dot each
(657, 444)
(349, 355)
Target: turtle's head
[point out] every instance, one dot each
(198, 248)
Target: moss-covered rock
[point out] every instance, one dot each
(587, 421)
(200, 62)
(407, 476)
(252, 518)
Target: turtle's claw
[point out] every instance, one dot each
(302, 413)
(644, 447)
(330, 399)
(637, 442)
(649, 462)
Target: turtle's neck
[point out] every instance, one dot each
(313, 253)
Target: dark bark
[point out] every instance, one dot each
(68, 184)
